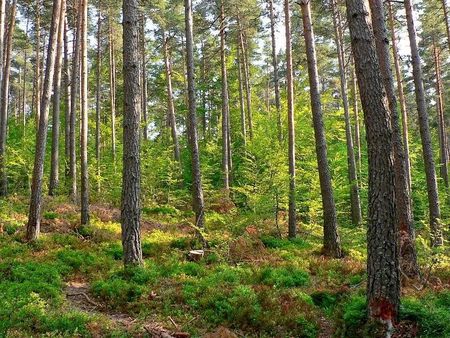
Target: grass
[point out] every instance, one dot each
(249, 280)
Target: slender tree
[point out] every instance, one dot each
(34, 216)
(112, 91)
(98, 93)
(131, 176)
(383, 282)
(192, 120)
(427, 149)
(291, 126)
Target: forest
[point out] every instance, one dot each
(252, 168)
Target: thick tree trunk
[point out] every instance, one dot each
(192, 120)
(54, 170)
(131, 177)
(84, 117)
(292, 227)
(355, 200)
(383, 284)
(34, 216)
(225, 101)
(408, 254)
(276, 81)
(427, 148)
(331, 240)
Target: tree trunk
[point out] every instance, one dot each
(443, 143)
(34, 217)
(356, 116)
(112, 93)
(225, 100)
(131, 177)
(383, 284)
(37, 69)
(171, 107)
(98, 96)
(54, 170)
(192, 119)
(241, 96)
(84, 118)
(73, 106)
(447, 25)
(275, 72)
(292, 227)
(144, 78)
(427, 148)
(355, 200)
(3, 124)
(67, 104)
(401, 97)
(408, 255)
(331, 240)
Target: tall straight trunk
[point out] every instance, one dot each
(144, 78)
(408, 254)
(54, 170)
(355, 200)
(192, 119)
(131, 176)
(401, 97)
(112, 92)
(84, 117)
(34, 216)
(37, 68)
(67, 103)
(73, 106)
(331, 240)
(356, 116)
(446, 18)
(171, 107)
(292, 227)
(246, 68)
(276, 81)
(241, 97)
(383, 280)
(98, 97)
(3, 124)
(443, 143)
(225, 100)
(427, 148)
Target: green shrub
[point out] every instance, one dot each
(50, 215)
(76, 259)
(10, 229)
(114, 250)
(324, 299)
(117, 292)
(354, 315)
(285, 277)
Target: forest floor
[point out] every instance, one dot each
(249, 282)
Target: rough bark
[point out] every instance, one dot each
(292, 221)
(408, 254)
(427, 148)
(131, 176)
(356, 116)
(33, 226)
(331, 240)
(54, 170)
(355, 200)
(383, 282)
(197, 190)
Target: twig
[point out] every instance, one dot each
(173, 322)
(86, 296)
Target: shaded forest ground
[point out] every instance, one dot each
(249, 283)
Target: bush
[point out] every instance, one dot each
(285, 277)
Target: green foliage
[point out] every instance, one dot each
(354, 315)
(285, 277)
(50, 215)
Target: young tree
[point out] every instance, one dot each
(427, 149)
(291, 127)
(192, 120)
(383, 280)
(34, 217)
(331, 240)
(131, 176)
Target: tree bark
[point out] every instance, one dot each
(292, 227)
(131, 176)
(34, 216)
(383, 284)
(356, 116)
(112, 92)
(54, 170)
(144, 78)
(331, 240)
(98, 95)
(37, 69)
(408, 254)
(427, 148)
(192, 119)
(67, 103)
(84, 117)
(241, 96)
(355, 200)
